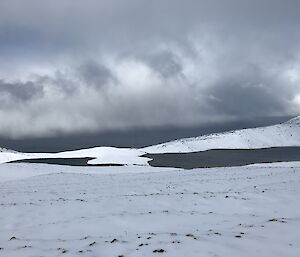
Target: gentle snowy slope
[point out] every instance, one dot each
(49, 210)
(286, 134)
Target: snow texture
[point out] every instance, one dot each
(50, 210)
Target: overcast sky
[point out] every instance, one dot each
(75, 65)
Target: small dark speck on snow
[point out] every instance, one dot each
(190, 235)
(159, 251)
(62, 250)
(91, 244)
(277, 220)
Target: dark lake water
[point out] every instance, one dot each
(65, 161)
(224, 157)
(206, 159)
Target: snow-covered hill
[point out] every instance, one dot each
(285, 134)
(4, 150)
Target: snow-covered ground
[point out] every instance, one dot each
(285, 134)
(49, 210)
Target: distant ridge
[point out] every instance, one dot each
(285, 134)
(282, 135)
(295, 121)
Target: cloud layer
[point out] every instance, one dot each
(69, 66)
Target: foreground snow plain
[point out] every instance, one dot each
(49, 210)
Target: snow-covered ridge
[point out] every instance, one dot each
(285, 134)
(294, 121)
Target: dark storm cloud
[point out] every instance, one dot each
(251, 93)
(19, 91)
(165, 63)
(99, 65)
(243, 98)
(94, 74)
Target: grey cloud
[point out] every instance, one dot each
(165, 63)
(55, 26)
(119, 64)
(69, 104)
(20, 91)
(249, 98)
(94, 74)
